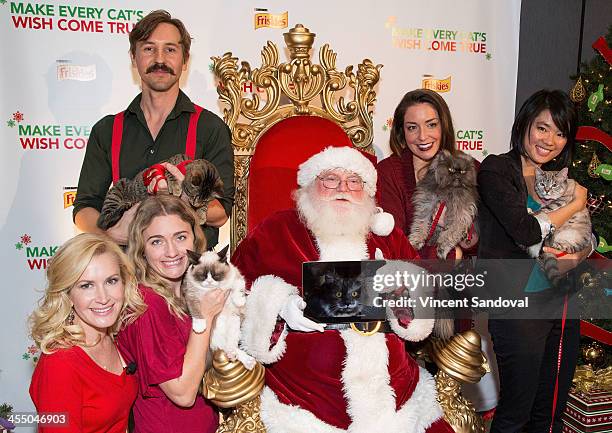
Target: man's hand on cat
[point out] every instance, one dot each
(293, 314)
(159, 183)
(119, 232)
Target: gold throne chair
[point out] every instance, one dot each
(294, 110)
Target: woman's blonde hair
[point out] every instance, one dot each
(50, 327)
(151, 207)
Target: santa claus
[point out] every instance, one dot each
(331, 380)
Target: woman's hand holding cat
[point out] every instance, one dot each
(567, 262)
(212, 302)
(293, 314)
(580, 197)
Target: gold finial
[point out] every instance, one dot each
(462, 357)
(299, 40)
(229, 383)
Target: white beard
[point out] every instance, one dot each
(336, 224)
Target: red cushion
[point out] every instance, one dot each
(278, 154)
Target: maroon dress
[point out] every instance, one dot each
(157, 342)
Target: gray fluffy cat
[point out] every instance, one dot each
(210, 271)
(450, 179)
(201, 185)
(556, 190)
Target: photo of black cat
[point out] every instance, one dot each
(339, 292)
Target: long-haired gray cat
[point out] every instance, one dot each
(556, 190)
(211, 271)
(450, 179)
(202, 184)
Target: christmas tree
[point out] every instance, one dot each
(594, 104)
(592, 168)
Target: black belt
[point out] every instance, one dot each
(365, 328)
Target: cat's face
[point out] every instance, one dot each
(341, 295)
(209, 270)
(550, 185)
(454, 171)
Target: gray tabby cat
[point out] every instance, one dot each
(452, 180)
(556, 190)
(210, 271)
(201, 185)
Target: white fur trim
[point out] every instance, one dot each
(338, 157)
(417, 330)
(267, 297)
(370, 397)
(382, 223)
(342, 248)
(283, 418)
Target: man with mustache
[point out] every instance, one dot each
(159, 123)
(329, 378)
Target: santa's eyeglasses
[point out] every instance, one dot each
(353, 183)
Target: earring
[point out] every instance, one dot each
(71, 317)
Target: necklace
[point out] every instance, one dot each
(96, 360)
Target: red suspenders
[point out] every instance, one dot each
(190, 144)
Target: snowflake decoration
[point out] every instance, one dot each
(10, 123)
(33, 350)
(485, 153)
(488, 56)
(26, 239)
(18, 116)
(2, 2)
(390, 22)
(19, 246)
(388, 124)
(25, 356)
(211, 68)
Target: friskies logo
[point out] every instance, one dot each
(437, 85)
(69, 196)
(36, 256)
(274, 21)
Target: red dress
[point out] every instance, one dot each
(96, 400)
(330, 381)
(157, 342)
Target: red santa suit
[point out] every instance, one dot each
(334, 381)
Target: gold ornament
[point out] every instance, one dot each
(459, 360)
(593, 354)
(229, 383)
(578, 93)
(586, 380)
(595, 162)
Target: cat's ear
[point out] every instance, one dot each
(194, 258)
(539, 171)
(223, 254)
(563, 173)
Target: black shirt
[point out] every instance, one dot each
(139, 151)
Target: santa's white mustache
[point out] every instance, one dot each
(340, 196)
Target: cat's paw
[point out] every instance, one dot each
(248, 361)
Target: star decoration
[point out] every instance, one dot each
(10, 123)
(488, 56)
(18, 116)
(19, 246)
(26, 239)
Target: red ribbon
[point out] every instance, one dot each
(435, 221)
(602, 46)
(559, 356)
(182, 166)
(156, 171)
(595, 332)
(595, 134)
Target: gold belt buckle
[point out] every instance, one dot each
(367, 333)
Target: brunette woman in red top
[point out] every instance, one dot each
(170, 355)
(422, 126)
(91, 292)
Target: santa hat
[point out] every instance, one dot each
(349, 159)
